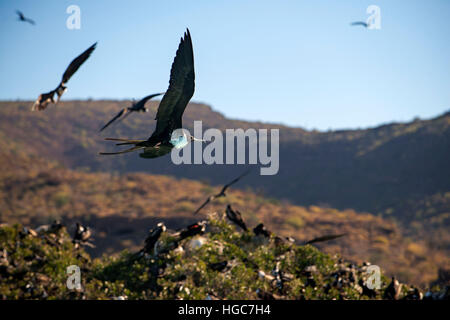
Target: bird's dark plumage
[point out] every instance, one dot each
(393, 290)
(153, 237)
(136, 107)
(236, 217)
(359, 23)
(260, 229)
(218, 266)
(222, 192)
(46, 98)
(192, 230)
(23, 18)
(172, 106)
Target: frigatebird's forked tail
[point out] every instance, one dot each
(124, 142)
(171, 108)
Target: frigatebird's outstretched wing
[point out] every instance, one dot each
(23, 18)
(326, 238)
(203, 205)
(76, 63)
(117, 116)
(20, 14)
(180, 91)
(140, 104)
(222, 192)
(175, 100)
(225, 187)
(359, 23)
(46, 98)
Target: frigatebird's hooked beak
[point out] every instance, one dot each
(195, 139)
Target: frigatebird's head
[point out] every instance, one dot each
(181, 137)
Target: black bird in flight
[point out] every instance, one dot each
(135, 107)
(222, 192)
(23, 18)
(171, 108)
(236, 217)
(325, 238)
(360, 23)
(45, 98)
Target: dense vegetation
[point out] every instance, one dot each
(220, 264)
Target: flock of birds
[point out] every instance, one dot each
(170, 110)
(162, 140)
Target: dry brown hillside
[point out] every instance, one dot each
(121, 208)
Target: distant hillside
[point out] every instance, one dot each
(396, 170)
(122, 208)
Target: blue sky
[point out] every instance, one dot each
(294, 62)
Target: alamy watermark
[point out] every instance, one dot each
(374, 277)
(74, 280)
(374, 20)
(73, 22)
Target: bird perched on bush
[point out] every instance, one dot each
(193, 229)
(236, 217)
(260, 230)
(153, 237)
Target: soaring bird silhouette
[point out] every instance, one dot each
(23, 18)
(360, 23)
(45, 98)
(236, 217)
(171, 109)
(135, 107)
(222, 192)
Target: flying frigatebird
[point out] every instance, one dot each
(23, 18)
(360, 23)
(45, 98)
(135, 107)
(171, 109)
(222, 192)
